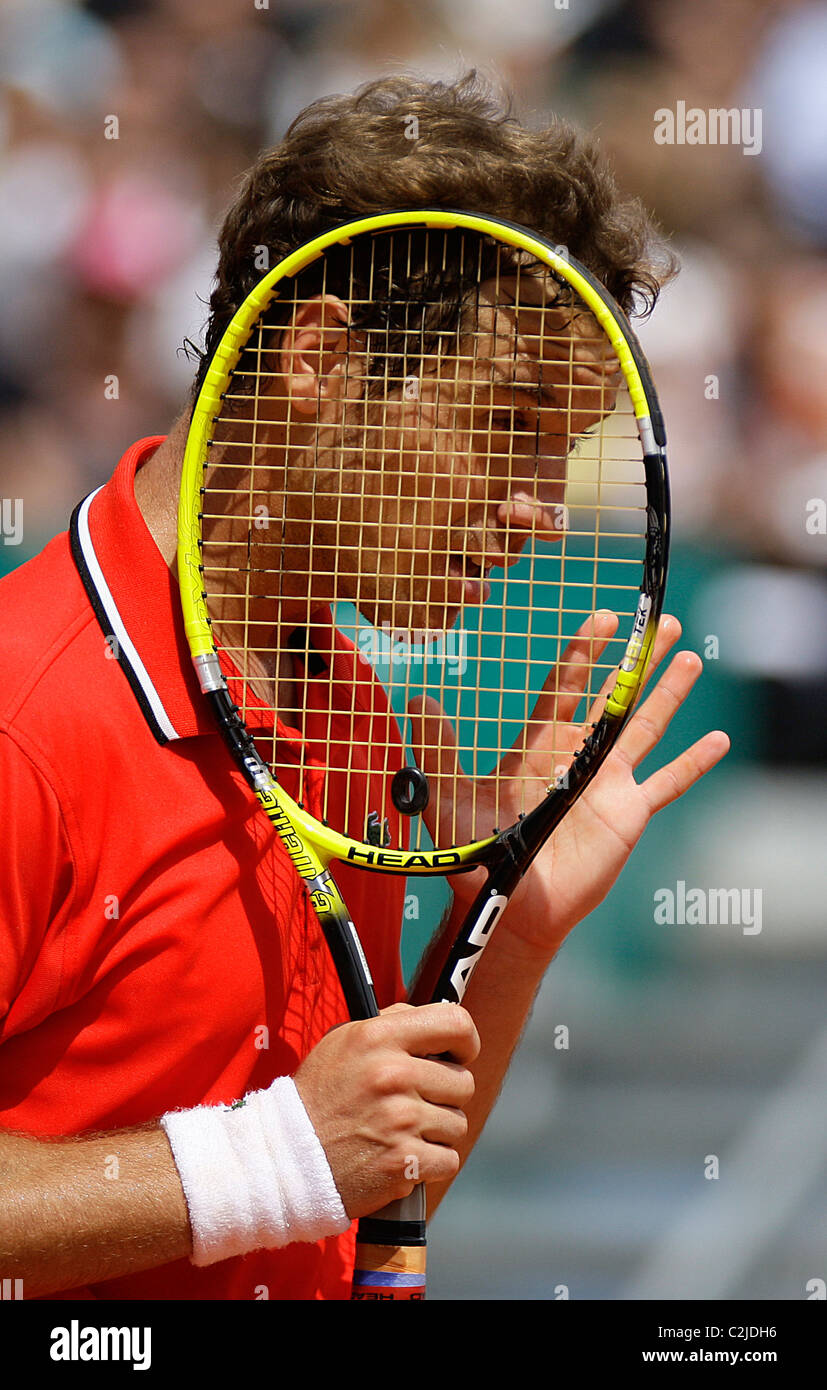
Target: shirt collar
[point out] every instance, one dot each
(135, 598)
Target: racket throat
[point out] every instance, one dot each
(464, 956)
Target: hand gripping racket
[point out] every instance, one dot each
(426, 452)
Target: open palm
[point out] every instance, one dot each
(582, 859)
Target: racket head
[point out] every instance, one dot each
(409, 517)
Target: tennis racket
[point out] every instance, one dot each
(426, 452)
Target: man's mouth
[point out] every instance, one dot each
(473, 576)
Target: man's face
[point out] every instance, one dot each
(404, 503)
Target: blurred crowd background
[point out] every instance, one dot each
(684, 1041)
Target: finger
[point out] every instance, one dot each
(669, 630)
(434, 1029)
(649, 723)
(566, 681)
(677, 777)
(437, 1163)
(441, 1082)
(443, 1124)
(434, 743)
(668, 633)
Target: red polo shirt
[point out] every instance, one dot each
(157, 948)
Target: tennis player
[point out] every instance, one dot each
(180, 1116)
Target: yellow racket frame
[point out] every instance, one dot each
(310, 844)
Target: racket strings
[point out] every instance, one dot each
(463, 493)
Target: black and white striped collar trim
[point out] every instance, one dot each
(113, 625)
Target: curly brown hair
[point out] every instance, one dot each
(405, 142)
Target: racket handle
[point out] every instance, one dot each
(391, 1251)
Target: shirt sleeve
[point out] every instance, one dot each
(36, 883)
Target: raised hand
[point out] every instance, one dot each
(576, 868)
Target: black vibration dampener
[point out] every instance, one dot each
(410, 791)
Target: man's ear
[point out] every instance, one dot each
(312, 349)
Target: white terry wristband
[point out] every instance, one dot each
(255, 1175)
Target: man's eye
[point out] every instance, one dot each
(511, 420)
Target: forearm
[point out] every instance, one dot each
(499, 998)
(74, 1212)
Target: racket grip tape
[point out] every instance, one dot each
(391, 1252)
